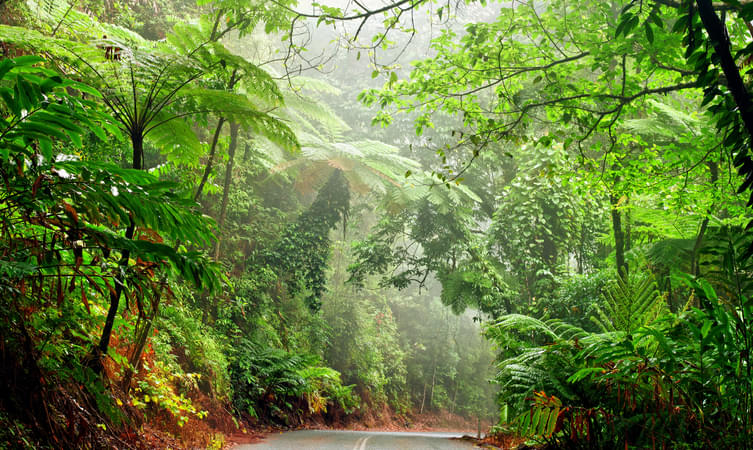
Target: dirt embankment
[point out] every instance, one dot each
(386, 420)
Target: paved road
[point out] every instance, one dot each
(359, 440)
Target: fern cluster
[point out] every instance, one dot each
(276, 386)
(649, 377)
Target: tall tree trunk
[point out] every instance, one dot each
(627, 223)
(433, 383)
(210, 160)
(581, 250)
(234, 78)
(234, 128)
(423, 400)
(718, 35)
(454, 396)
(137, 144)
(619, 237)
(719, 38)
(694, 266)
(104, 341)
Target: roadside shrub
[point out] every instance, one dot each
(678, 380)
(273, 385)
(575, 300)
(155, 390)
(178, 331)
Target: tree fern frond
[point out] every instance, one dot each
(630, 304)
(670, 252)
(566, 330)
(70, 22)
(61, 48)
(605, 350)
(176, 140)
(522, 323)
(314, 85)
(328, 124)
(240, 109)
(267, 154)
(664, 223)
(359, 183)
(667, 121)
(347, 149)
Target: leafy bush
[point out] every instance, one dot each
(183, 332)
(275, 385)
(574, 300)
(679, 380)
(156, 389)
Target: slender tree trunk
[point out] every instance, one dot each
(423, 400)
(104, 341)
(234, 128)
(210, 160)
(433, 383)
(246, 152)
(200, 188)
(694, 266)
(718, 35)
(627, 224)
(454, 396)
(619, 238)
(234, 78)
(581, 250)
(137, 144)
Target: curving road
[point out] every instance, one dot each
(359, 440)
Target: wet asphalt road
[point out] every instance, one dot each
(359, 440)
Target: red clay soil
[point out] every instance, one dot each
(239, 438)
(503, 441)
(386, 420)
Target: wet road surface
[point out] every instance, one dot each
(359, 440)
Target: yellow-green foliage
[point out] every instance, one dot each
(180, 330)
(158, 388)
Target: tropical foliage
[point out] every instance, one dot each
(212, 220)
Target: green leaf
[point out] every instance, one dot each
(5, 66)
(28, 60)
(42, 128)
(46, 148)
(85, 88)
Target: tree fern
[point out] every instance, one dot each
(667, 122)
(630, 304)
(154, 85)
